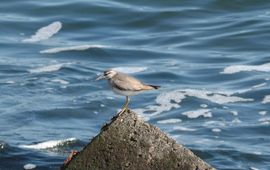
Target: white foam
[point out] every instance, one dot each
(197, 113)
(166, 101)
(265, 123)
(172, 99)
(48, 144)
(213, 123)
(29, 166)
(266, 99)
(204, 105)
(49, 68)
(235, 113)
(10, 82)
(181, 128)
(2, 145)
(254, 168)
(71, 48)
(263, 113)
(45, 32)
(242, 91)
(240, 68)
(265, 120)
(259, 85)
(216, 130)
(257, 153)
(63, 87)
(169, 121)
(236, 120)
(203, 141)
(60, 81)
(129, 69)
(219, 98)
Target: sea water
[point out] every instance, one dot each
(211, 59)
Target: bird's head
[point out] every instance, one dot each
(108, 74)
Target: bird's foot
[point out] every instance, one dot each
(119, 114)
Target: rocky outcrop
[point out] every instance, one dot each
(130, 143)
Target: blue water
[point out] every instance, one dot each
(210, 57)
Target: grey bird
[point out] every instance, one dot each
(125, 85)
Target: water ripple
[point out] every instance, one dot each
(210, 59)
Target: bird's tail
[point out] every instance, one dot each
(151, 87)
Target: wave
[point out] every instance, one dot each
(3, 145)
(60, 81)
(240, 68)
(130, 70)
(255, 87)
(266, 99)
(49, 68)
(29, 166)
(45, 32)
(181, 128)
(253, 168)
(10, 82)
(49, 144)
(169, 100)
(264, 120)
(259, 85)
(197, 113)
(169, 121)
(264, 112)
(214, 97)
(233, 112)
(71, 48)
(216, 130)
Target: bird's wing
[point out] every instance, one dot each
(128, 83)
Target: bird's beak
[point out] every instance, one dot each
(100, 77)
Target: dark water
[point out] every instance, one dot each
(210, 57)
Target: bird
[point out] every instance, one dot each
(125, 85)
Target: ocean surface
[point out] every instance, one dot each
(211, 57)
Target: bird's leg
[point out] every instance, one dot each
(127, 102)
(125, 107)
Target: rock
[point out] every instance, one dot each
(130, 143)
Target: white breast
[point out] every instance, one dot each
(125, 92)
